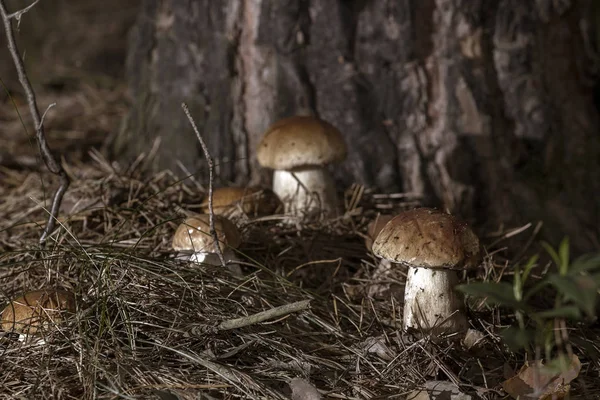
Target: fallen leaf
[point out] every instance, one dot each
(303, 390)
(473, 339)
(540, 382)
(377, 346)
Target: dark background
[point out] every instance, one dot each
(484, 108)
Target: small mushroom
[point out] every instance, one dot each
(434, 245)
(237, 202)
(193, 237)
(37, 311)
(299, 149)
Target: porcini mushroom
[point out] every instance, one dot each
(193, 237)
(374, 228)
(235, 202)
(37, 311)
(298, 149)
(434, 245)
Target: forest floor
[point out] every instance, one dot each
(148, 325)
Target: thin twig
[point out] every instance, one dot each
(264, 315)
(18, 14)
(51, 163)
(209, 161)
(337, 260)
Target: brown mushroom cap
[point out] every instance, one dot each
(375, 227)
(194, 234)
(300, 141)
(252, 200)
(428, 238)
(37, 310)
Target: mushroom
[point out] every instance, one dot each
(298, 149)
(236, 202)
(374, 228)
(193, 236)
(434, 245)
(37, 311)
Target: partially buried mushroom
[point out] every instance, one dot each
(193, 237)
(434, 245)
(236, 202)
(299, 149)
(37, 311)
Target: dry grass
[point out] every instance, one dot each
(146, 324)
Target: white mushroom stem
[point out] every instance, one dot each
(430, 302)
(30, 339)
(229, 255)
(306, 192)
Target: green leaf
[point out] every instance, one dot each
(496, 293)
(535, 289)
(581, 290)
(571, 312)
(563, 365)
(532, 262)
(552, 253)
(521, 275)
(596, 278)
(563, 253)
(517, 339)
(585, 263)
(587, 346)
(518, 284)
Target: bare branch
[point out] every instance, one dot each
(18, 14)
(264, 315)
(210, 163)
(47, 156)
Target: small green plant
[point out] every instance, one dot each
(537, 328)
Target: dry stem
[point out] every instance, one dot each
(51, 163)
(210, 163)
(264, 315)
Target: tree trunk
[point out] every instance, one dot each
(483, 107)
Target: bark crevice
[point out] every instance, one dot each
(479, 106)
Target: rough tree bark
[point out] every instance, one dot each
(484, 107)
